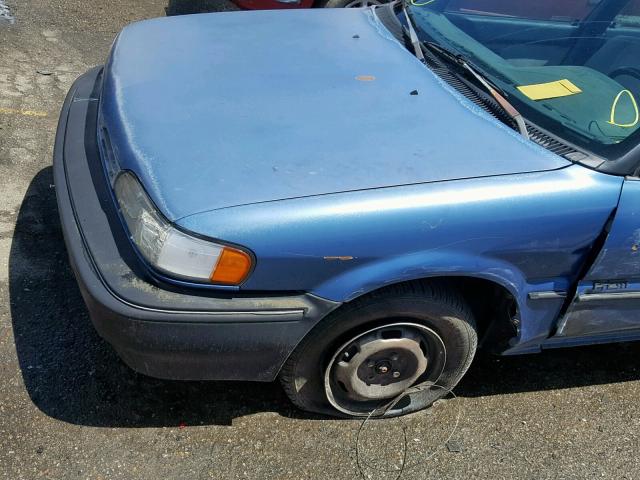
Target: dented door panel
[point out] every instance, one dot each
(607, 299)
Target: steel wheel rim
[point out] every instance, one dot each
(376, 366)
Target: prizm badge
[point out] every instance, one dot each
(606, 286)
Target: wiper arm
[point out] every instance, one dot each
(503, 102)
(413, 36)
(509, 109)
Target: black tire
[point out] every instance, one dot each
(434, 305)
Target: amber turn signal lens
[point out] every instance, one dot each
(232, 268)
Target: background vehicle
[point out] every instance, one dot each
(544, 9)
(488, 195)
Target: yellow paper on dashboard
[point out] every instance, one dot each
(544, 91)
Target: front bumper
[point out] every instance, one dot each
(158, 329)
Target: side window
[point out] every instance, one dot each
(544, 10)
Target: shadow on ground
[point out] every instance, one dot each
(71, 374)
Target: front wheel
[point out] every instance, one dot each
(370, 352)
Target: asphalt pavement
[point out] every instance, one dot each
(69, 408)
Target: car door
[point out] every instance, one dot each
(607, 299)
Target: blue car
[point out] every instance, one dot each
(355, 200)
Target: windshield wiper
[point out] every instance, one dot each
(413, 36)
(498, 97)
(458, 59)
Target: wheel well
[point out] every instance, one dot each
(494, 308)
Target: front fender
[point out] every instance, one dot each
(527, 232)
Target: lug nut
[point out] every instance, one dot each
(383, 369)
(396, 374)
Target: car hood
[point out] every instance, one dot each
(225, 109)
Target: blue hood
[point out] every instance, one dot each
(225, 109)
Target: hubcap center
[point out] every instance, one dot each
(383, 367)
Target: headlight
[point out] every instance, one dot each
(171, 251)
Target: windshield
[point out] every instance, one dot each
(570, 66)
